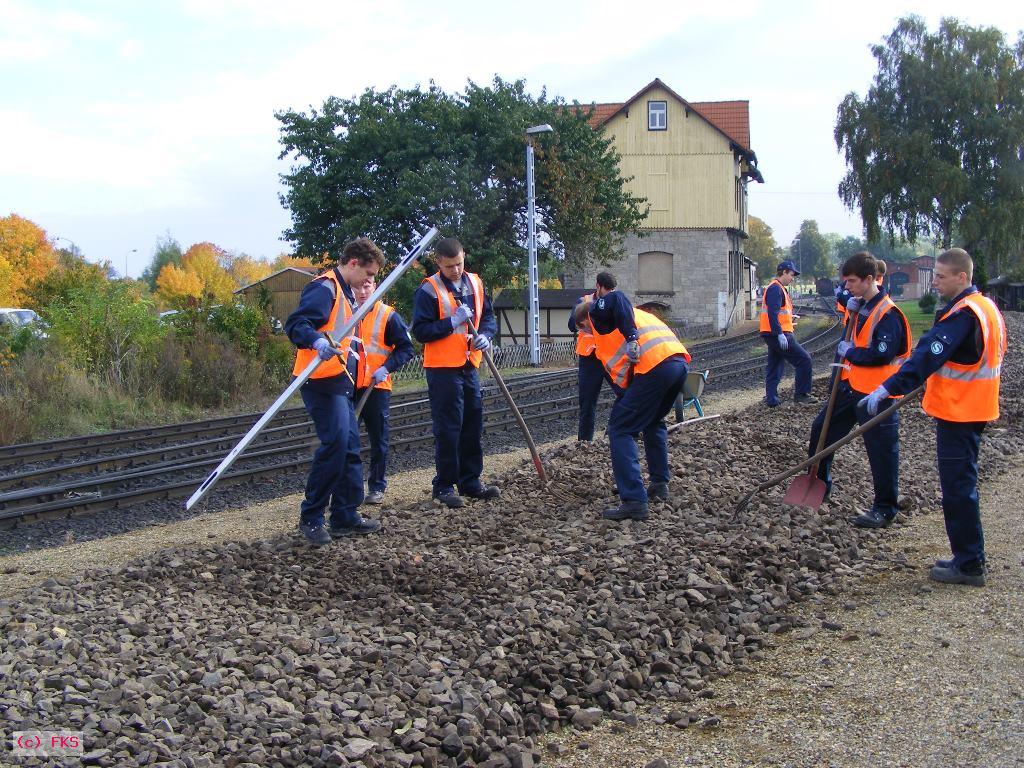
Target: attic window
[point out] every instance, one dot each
(657, 115)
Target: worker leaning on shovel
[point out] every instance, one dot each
(881, 342)
(642, 356)
(959, 359)
(454, 321)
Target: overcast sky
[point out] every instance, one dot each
(121, 122)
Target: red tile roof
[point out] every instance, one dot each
(730, 117)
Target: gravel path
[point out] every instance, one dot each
(899, 671)
(773, 637)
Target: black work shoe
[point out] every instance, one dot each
(315, 533)
(798, 399)
(484, 492)
(943, 563)
(374, 497)
(360, 527)
(450, 499)
(658, 491)
(769, 404)
(872, 519)
(627, 510)
(953, 575)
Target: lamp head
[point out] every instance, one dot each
(539, 129)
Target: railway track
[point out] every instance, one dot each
(114, 471)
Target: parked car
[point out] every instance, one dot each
(15, 318)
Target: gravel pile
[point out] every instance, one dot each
(457, 637)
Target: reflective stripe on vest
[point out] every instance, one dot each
(958, 392)
(657, 342)
(456, 350)
(335, 321)
(585, 342)
(866, 378)
(376, 351)
(785, 315)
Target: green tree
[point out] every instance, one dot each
(762, 249)
(811, 253)
(935, 147)
(167, 251)
(390, 163)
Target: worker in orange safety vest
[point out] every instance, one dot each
(959, 359)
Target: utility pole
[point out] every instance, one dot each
(533, 280)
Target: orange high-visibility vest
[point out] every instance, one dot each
(866, 378)
(844, 313)
(376, 351)
(657, 342)
(336, 365)
(785, 313)
(958, 392)
(455, 350)
(585, 341)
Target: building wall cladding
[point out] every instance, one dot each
(697, 297)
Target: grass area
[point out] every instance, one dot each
(920, 321)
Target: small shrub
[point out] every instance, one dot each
(927, 302)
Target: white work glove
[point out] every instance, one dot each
(783, 342)
(379, 375)
(633, 351)
(872, 401)
(481, 342)
(462, 315)
(853, 305)
(324, 349)
(844, 347)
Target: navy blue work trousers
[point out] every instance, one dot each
(882, 443)
(957, 446)
(642, 410)
(777, 358)
(458, 417)
(335, 479)
(590, 375)
(375, 415)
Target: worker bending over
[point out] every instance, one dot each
(643, 357)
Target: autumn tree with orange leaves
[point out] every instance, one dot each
(26, 255)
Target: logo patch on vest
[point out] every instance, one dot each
(936, 347)
(600, 303)
(882, 346)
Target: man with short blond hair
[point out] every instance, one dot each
(959, 359)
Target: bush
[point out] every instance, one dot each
(927, 302)
(206, 370)
(108, 330)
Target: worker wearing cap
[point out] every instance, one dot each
(644, 358)
(881, 342)
(959, 359)
(335, 481)
(386, 347)
(777, 334)
(453, 319)
(591, 373)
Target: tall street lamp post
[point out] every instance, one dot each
(133, 250)
(74, 248)
(531, 219)
(799, 254)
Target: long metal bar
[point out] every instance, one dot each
(407, 261)
(532, 280)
